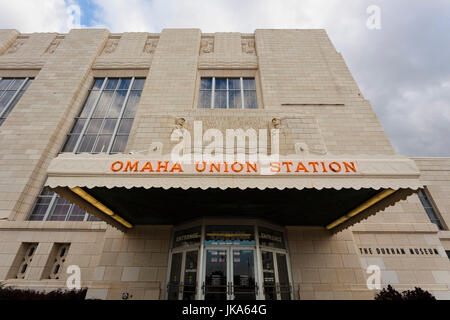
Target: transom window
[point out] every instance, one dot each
(227, 93)
(103, 126)
(11, 90)
(430, 210)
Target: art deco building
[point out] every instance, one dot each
(89, 122)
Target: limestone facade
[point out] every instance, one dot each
(300, 79)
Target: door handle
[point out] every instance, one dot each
(230, 288)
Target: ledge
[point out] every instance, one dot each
(53, 225)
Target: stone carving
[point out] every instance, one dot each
(111, 46)
(53, 46)
(248, 46)
(276, 123)
(150, 45)
(207, 45)
(179, 122)
(15, 46)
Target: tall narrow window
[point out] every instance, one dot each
(105, 122)
(227, 93)
(430, 210)
(11, 90)
(103, 126)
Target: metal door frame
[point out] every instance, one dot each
(274, 252)
(230, 281)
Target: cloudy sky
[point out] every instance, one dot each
(403, 68)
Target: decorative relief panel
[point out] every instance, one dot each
(207, 45)
(56, 261)
(248, 46)
(54, 45)
(150, 45)
(111, 45)
(29, 250)
(16, 46)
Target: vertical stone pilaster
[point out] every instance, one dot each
(35, 130)
(7, 37)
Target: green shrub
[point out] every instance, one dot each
(390, 294)
(8, 293)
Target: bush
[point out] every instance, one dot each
(390, 294)
(8, 293)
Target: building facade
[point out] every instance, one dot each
(109, 164)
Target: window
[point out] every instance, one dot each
(430, 210)
(11, 90)
(105, 122)
(102, 126)
(49, 206)
(227, 93)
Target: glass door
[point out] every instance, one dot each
(216, 284)
(244, 283)
(229, 274)
(276, 282)
(183, 287)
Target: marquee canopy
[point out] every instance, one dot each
(330, 191)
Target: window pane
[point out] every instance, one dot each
(87, 143)
(97, 85)
(103, 104)
(119, 144)
(77, 214)
(40, 208)
(5, 83)
(234, 83)
(94, 126)
(102, 143)
(70, 143)
(250, 99)
(125, 126)
(13, 103)
(116, 106)
(78, 126)
(111, 84)
(124, 84)
(132, 103)
(108, 126)
(249, 83)
(89, 104)
(206, 83)
(205, 99)
(60, 210)
(235, 100)
(138, 84)
(220, 99)
(16, 84)
(221, 84)
(4, 100)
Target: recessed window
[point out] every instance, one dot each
(104, 123)
(227, 93)
(430, 210)
(11, 90)
(49, 206)
(103, 126)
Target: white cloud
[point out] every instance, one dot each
(34, 16)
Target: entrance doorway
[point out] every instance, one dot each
(246, 260)
(229, 274)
